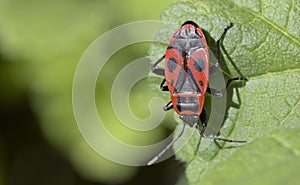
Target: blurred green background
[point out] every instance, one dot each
(41, 43)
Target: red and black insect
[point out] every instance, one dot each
(186, 74)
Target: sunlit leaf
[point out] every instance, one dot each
(264, 44)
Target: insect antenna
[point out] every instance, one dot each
(152, 161)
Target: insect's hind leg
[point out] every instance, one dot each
(203, 120)
(217, 138)
(158, 156)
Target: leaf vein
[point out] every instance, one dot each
(286, 145)
(290, 113)
(297, 70)
(288, 16)
(272, 24)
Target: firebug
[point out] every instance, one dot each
(186, 75)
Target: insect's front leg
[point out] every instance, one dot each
(216, 66)
(219, 43)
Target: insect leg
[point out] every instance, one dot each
(217, 64)
(219, 55)
(156, 70)
(203, 118)
(152, 161)
(168, 106)
(235, 79)
(215, 92)
(218, 138)
(162, 87)
(219, 41)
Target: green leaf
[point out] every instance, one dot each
(264, 45)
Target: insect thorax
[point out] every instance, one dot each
(188, 40)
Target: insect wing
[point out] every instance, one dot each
(198, 65)
(174, 66)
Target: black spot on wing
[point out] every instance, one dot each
(199, 64)
(172, 82)
(201, 82)
(172, 64)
